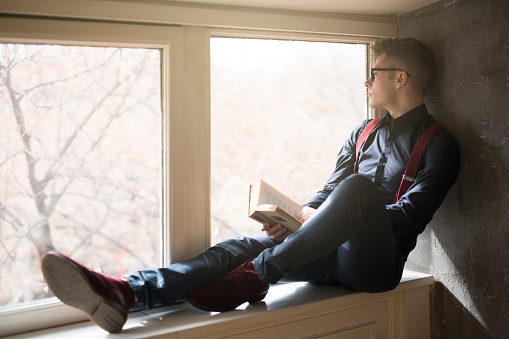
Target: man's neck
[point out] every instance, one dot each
(404, 108)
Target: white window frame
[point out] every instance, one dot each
(297, 36)
(301, 36)
(183, 33)
(167, 39)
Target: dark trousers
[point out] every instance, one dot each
(348, 242)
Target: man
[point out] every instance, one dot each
(354, 233)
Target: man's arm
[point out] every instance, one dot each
(441, 164)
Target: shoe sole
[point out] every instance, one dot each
(73, 288)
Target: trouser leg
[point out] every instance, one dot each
(316, 271)
(162, 286)
(353, 222)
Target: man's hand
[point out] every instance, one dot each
(279, 232)
(276, 232)
(306, 213)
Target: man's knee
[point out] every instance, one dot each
(359, 181)
(356, 185)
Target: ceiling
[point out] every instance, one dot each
(368, 7)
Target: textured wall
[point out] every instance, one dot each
(466, 246)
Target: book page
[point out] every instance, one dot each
(270, 195)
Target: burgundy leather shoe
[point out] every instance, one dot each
(105, 299)
(241, 285)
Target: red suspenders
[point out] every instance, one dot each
(364, 134)
(415, 156)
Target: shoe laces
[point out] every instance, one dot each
(243, 268)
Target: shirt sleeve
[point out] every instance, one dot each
(344, 167)
(439, 168)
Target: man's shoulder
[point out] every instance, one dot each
(366, 122)
(443, 142)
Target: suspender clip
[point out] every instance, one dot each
(408, 178)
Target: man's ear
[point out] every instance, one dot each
(401, 79)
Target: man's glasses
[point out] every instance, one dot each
(386, 69)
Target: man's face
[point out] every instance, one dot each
(382, 89)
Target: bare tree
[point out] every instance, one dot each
(59, 150)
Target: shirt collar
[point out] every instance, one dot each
(411, 117)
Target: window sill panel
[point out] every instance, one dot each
(383, 314)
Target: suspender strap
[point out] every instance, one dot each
(415, 156)
(362, 138)
(415, 159)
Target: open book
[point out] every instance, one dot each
(267, 204)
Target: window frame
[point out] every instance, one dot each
(185, 90)
(298, 36)
(51, 312)
(303, 36)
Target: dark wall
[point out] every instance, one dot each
(466, 246)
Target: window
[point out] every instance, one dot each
(80, 168)
(84, 154)
(183, 134)
(280, 111)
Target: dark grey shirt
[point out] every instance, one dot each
(383, 159)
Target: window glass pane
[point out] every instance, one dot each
(79, 161)
(281, 110)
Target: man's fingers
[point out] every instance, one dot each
(282, 235)
(278, 233)
(265, 227)
(275, 229)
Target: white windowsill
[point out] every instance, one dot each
(284, 302)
